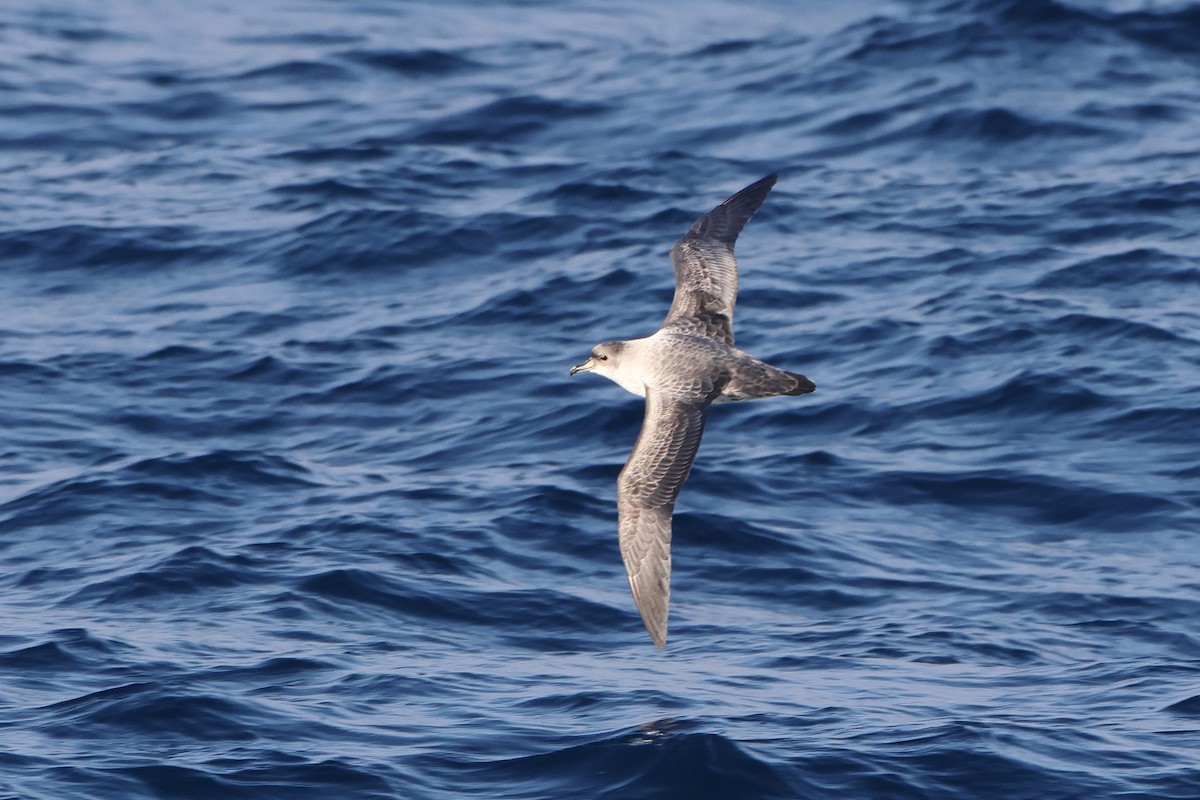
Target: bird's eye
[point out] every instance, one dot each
(602, 358)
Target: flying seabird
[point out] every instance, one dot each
(684, 367)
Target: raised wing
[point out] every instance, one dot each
(706, 280)
(646, 492)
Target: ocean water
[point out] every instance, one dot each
(298, 501)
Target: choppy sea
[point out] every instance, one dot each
(297, 499)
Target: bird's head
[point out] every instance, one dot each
(603, 360)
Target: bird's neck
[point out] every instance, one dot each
(630, 376)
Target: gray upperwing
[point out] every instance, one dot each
(646, 492)
(706, 279)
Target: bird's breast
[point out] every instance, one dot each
(631, 380)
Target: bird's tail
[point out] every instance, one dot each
(803, 385)
(753, 379)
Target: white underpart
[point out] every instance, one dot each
(631, 375)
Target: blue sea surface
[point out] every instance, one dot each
(297, 499)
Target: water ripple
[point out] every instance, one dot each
(298, 500)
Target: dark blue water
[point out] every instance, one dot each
(298, 501)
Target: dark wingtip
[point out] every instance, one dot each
(749, 199)
(768, 180)
(726, 221)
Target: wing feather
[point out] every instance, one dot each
(706, 278)
(646, 493)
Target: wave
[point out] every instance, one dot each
(192, 570)
(664, 759)
(1039, 499)
(298, 499)
(1123, 270)
(102, 250)
(413, 63)
(171, 483)
(509, 119)
(564, 621)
